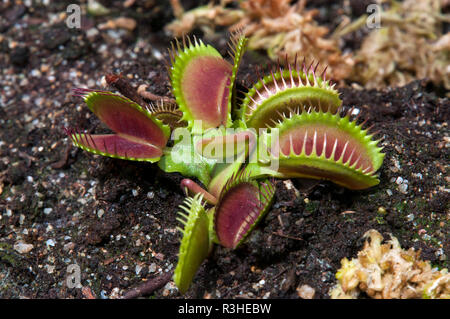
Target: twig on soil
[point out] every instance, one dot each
(64, 160)
(83, 189)
(149, 286)
(348, 212)
(177, 8)
(280, 221)
(29, 158)
(279, 233)
(279, 274)
(142, 91)
(120, 83)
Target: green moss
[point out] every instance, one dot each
(400, 207)
(380, 219)
(8, 255)
(421, 203)
(312, 206)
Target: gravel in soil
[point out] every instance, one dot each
(116, 219)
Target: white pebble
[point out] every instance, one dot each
(138, 269)
(35, 73)
(50, 269)
(100, 213)
(22, 247)
(306, 292)
(403, 188)
(157, 55)
(92, 32)
(355, 111)
(69, 246)
(50, 243)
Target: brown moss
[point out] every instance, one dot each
(387, 271)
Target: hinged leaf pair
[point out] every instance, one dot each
(240, 206)
(139, 135)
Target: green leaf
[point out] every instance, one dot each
(184, 159)
(195, 244)
(222, 172)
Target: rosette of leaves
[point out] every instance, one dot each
(290, 117)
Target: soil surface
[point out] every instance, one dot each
(116, 219)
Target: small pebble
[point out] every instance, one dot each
(92, 33)
(138, 269)
(69, 246)
(50, 243)
(306, 292)
(152, 267)
(22, 247)
(114, 293)
(100, 213)
(403, 188)
(50, 268)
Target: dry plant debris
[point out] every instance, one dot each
(204, 17)
(408, 46)
(389, 272)
(276, 26)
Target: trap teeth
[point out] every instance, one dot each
(326, 146)
(285, 90)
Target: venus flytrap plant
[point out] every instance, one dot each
(290, 117)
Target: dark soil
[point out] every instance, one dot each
(116, 219)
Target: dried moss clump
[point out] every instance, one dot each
(389, 272)
(276, 26)
(408, 46)
(206, 18)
